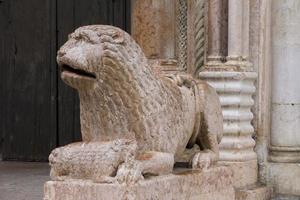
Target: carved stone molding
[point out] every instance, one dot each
(284, 154)
(235, 90)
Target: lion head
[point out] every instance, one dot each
(81, 57)
(110, 72)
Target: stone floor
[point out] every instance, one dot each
(22, 181)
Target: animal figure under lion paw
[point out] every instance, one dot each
(134, 121)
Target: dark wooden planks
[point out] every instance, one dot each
(38, 112)
(4, 57)
(121, 14)
(30, 88)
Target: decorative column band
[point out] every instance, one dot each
(235, 90)
(284, 154)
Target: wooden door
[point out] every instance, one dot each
(37, 111)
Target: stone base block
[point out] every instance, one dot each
(285, 178)
(286, 197)
(213, 184)
(244, 173)
(254, 193)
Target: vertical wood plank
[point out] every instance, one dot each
(4, 57)
(128, 16)
(30, 93)
(119, 13)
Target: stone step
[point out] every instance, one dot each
(256, 192)
(213, 184)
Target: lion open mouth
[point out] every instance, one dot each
(77, 72)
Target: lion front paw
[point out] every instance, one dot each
(203, 160)
(129, 173)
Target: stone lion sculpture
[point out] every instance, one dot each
(134, 120)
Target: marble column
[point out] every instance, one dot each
(285, 135)
(235, 29)
(246, 25)
(284, 147)
(214, 26)
(234, 82)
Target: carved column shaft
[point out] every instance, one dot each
(196, 35)
(285, 137)
(214, 26)
(235, 29)
(246, 24)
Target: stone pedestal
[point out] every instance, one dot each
(255, 192)
(235, 90)
(213, 184)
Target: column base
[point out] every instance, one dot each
(255, 192)
(215, 183)
(284, 154)
(235, 90)
(244, 172)
(285, 178)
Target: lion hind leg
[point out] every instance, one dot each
(211, 130)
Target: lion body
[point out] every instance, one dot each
(124, 98)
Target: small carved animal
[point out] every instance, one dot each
(122, 98)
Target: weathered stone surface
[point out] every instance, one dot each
(255, 192)
(213, 184)
(135, 121)
(235, 91)
(244, 172)
(154, 27)
(286, 197)
(285, 137)
(284, 177)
